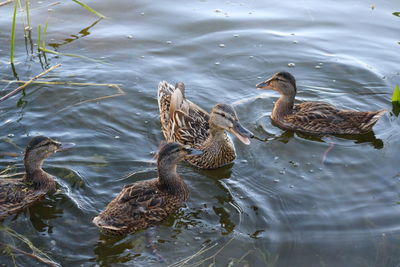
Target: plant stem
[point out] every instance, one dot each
(15, 91)
(13, 33)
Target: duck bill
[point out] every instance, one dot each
(265, 85)
(193, 152)
(65, 146)
(241, 133)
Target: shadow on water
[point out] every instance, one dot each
(286, 136)
(84, 32)
(111, 250)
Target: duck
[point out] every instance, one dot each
(185, 122)
(18, 194)
(315, 118)
(145, 203)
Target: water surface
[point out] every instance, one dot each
(278, 204)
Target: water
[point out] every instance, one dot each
(277, 205)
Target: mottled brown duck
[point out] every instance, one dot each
(146, 203)
(184, 122)
(17, 194)
(317, 118)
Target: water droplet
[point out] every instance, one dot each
(116, 137)
(276, 158)
(236, 35)
(197, 238)
(276, 180)
(217, 10)
(142, 56)
(142, 14)
(221, 45)
(295, 42)
(291, 65)
(251, 56)
(129, 36)
(169, 42)
(244, 161)
(317, 67)
(291, 186)
(10, 135)
(217, 63)
(311, 171)
(282, 172)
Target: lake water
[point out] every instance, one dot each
(279, 204)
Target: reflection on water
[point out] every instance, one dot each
(280, 203)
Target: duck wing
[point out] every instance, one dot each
(181, 120)
(16, 195)
(324, 118)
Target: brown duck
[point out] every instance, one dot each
(17, 194)
(146, 203)
(314, 117)
(184, 122)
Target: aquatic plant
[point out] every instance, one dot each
(90, 9)
(396, 94)
(12, 39)
(36, 253)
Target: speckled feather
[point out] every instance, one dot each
(138, 206)
(17, 194)
(323, 118)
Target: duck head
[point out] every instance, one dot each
(42, 147)
(175, 152)
(283, 82)
(224, 116)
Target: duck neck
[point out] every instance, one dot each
(35, 174)
(283, 107)
(170, 179)
(217, 136)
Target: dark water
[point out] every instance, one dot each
(277, 205)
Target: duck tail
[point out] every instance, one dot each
(375, 116)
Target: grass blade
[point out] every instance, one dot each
(28, 18)
(90, 9)
(44, 35)
(396, 94)
(39, 31)
(13, 34)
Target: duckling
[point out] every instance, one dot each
(146, 203)
(317, 118)
(184, 122)
(17, 194)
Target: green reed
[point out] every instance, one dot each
(90, 9)
(396, 94)
(28, 17)
(12, 42)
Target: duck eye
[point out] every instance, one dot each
(223, 115)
